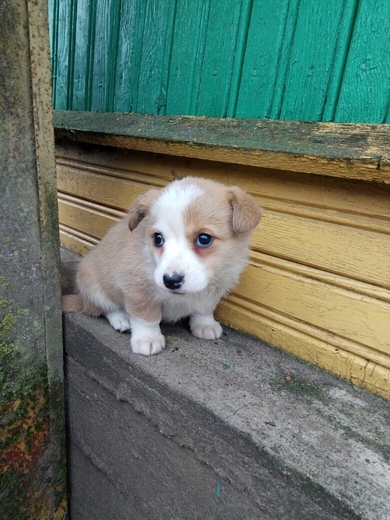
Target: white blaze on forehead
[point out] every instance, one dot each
(176, 197)
(177, 255)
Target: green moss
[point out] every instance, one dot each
(6, 347)
(300, 387)
(3, 282)
(5, 303)
(376, 444)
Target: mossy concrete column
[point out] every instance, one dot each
(32, 447)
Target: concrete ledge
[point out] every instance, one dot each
(217, 430)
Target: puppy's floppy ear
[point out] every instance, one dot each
(141, 206)
(246, 212)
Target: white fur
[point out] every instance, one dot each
(175, 197)
(205, 327)
(146, 337)
(177, 256)
(119, 320)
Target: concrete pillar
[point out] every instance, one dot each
(32, 447)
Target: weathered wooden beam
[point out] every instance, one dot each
(352, 151)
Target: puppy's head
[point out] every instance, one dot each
(198, 233)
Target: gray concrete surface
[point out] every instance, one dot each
(227, 429)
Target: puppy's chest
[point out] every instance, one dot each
(174, 311)
(179, 307)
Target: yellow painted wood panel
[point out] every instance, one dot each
(346, 196)
(337, 244)
(343, 249)
(89, 220)
(319, 275)
(327, 306)
(75, 240)
(278, 319)
(106, 187)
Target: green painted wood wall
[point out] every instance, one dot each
(317, 60)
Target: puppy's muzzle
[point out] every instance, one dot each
(173, 281)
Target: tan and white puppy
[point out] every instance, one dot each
(187, 246)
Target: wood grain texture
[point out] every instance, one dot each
(260, 67)
(361, 244)
(60, 48)
(310, 65)
(317, 284)
(289, 59)
(365, 82)
(337, 150)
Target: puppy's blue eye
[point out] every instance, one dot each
(204, 240)
(158, 240)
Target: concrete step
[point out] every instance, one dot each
(227, 429)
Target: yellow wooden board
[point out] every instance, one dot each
(294, 226)
(318, 282)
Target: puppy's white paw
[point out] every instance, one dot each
(148, 345)
(146, 337)
(205, 327)
(119, 320)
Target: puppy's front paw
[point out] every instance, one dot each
(119, 320)
(205, 327)
(148, 345)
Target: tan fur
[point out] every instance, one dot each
(141, 205)
(72, 303)
(117, 275)
(246, 213)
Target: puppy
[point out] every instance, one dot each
(176, 254)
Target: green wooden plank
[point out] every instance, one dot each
(365, 88)
(187, 56)
(114, 28)
(53, 32)
(90, 50)
(137, 50)
(63, 12)
(283, 62)
(292, 59)
(239, 54)
(219, 56)
(155, 56)
(343, 39)
(265, 39)
(81, 51)
(347, 142)
(72, 44)
(101, 55)
(126, 44)
(311, 59)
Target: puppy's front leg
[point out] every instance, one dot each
(146, 337)
(119, 320)
(204, 326)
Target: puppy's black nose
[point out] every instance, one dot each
(174, 281)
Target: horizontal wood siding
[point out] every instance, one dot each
(318, 281)
(285, 59)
